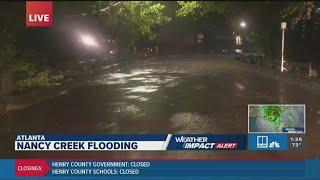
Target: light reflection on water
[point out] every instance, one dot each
(139, 98)
(135, 83)
(135, 75)
(132, 73)
(142, 89)
(110, 82)
(137, 79)
(136, 88)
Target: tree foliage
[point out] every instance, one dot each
(298, 11)
(8, 57)
(188, 8)
(135, 19)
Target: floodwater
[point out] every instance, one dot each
(177, 95)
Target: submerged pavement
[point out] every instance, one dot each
(195, 94)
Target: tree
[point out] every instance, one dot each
(7, 58)
(8, 31)
(263, 19)
(129, 21)
(298, 11)
(196, 8)
(303, 18)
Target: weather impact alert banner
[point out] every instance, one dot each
(160, 142)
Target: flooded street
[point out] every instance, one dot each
(168, 95)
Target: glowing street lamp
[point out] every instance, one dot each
(88, 40)
(243, 24)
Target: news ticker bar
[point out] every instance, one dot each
(159, 142)
(144, 169)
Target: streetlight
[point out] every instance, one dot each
(243, 24)
(88, 40)
(283, 27)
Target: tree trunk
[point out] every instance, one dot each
(3, 89)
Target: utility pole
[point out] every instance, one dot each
(283, 27)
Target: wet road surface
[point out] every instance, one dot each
(170, 95)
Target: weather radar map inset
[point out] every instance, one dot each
(277, 118)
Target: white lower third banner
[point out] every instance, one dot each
(145, 142)
(88, 145)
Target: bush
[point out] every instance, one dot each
(38, 81)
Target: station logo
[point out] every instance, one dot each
(39, 14)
